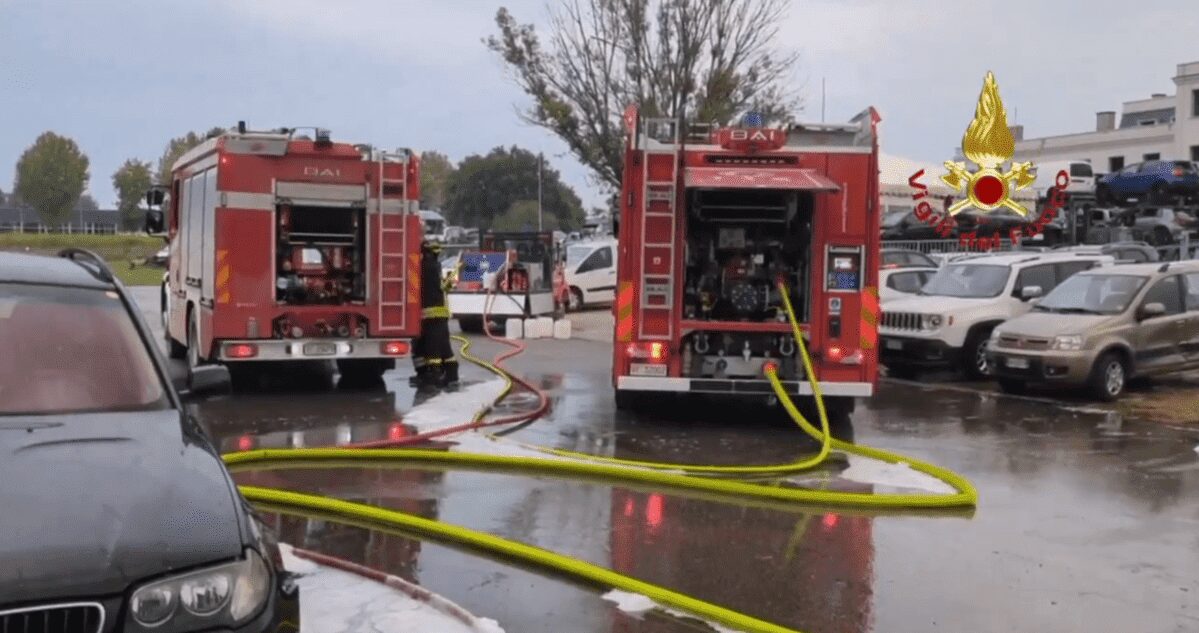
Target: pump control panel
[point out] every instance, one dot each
(843, 269)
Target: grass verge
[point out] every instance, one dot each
(123, 252)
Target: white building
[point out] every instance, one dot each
(1162, 127)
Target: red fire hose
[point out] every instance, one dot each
(543, 402)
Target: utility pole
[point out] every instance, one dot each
(540, 159)
(822, 99)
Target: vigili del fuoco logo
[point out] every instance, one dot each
(988, 143)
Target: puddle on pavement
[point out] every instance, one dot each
(1050, 482)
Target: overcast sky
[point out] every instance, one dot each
(123, 77)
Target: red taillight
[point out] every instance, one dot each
(655, 351)
(829, 521)
(396, 431)
(245, 443)
(394, 348)
(654, 511)
(838, 354)
(241, 350)
(1178, 171)
(770, 367)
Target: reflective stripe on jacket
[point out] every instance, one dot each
(435, 312)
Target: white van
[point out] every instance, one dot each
(1082, 177)
(434, 225)
(591, 272)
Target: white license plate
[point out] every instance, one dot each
(320, 349)
(1016, 363)
(893, 344)
(641, 369)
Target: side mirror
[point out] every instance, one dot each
(155, 196)
(154, 222)
(1030, 292)
(1151, 310)
(209, 380)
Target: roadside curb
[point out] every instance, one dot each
(1083, 407)
(978, 392)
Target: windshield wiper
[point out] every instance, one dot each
(1078, 311)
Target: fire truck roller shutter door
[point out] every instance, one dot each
(741, 177)
(208, 264)
(324, 195)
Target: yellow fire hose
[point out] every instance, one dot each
(580, 465)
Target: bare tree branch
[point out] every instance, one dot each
(708, 58)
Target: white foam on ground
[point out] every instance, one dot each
(637, 604)
(335, 601)
(865, 470)
(1089, 410)
(453, 407)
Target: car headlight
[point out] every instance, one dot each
(994, 337)
(931, 321)
(225, 595)
(1067, 343)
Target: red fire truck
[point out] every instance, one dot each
(286, 248)
(712, 218)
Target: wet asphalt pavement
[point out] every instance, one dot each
(1086, 522)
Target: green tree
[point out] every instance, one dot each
(176, 148)
(435, 172)
(522, 216)
(485, 187)
(131, 181)
(709, 59)
(51, 176)
(86, 203)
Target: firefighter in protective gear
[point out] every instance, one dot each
(432, 354)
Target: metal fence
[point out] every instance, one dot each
(946, 246)
(1184, 248)
(102, 228)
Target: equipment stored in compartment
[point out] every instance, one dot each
(319, 255)
(739, 243)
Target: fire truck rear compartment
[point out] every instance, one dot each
(320, 260)
(739, 242)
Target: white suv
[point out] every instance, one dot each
(949, 321)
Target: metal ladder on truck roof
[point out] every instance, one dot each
(658, 235)
(393, 283)
(665, 131)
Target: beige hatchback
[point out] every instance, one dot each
(1101, 327)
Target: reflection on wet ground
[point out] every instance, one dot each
(1085, 522)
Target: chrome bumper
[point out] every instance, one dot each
(310, 349)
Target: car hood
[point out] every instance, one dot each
(927, 304)
(1050, 324)
(94, 503)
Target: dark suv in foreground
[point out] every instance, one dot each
(116, 512)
